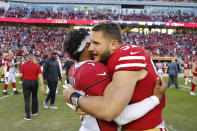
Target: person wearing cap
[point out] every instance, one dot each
(60, 66)
(29, 73)
(51, 73)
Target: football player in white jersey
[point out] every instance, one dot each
(9, 73)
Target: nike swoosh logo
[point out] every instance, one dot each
(133, 53)
(91, 64)
(103, 74)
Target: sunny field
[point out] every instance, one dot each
(180, 112)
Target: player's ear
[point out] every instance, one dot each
(114, 45)
(87, 44)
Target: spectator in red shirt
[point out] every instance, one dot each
(29, 73)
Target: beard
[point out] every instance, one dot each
(91, 56)
(104, 57)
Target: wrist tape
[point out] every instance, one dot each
(74, 98)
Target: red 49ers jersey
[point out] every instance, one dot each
(92, 78)
(186, 65)
(195, 74)
(133, 58)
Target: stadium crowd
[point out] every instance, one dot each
(25, 39)
(104, 14)
(43, 40)
(163, 44)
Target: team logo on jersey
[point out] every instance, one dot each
(103, 74)
(133, 53)
(91, 64)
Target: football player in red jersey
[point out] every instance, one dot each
(186, 71)
(91, 77)
(194, 80)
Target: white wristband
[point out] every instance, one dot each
(155, 100)
(137, 110)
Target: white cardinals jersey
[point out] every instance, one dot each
(9, 70)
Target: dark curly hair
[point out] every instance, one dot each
(73, 41)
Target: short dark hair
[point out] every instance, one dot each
(73, 41)
(110, 29)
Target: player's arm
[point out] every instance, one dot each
(10, 64)
(115, 98)
(193, 69)
(21, 73)
(41, 78)
(45, 69)
(59, 72)
(137, 110)
(42, 82)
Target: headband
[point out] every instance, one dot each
(83, 44)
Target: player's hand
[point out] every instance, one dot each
(67, 92)
(45, 81)
(21, 78)
(80, 112)
(160, 88)
(42, 88)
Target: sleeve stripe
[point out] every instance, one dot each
(130, 65)
(132, 58)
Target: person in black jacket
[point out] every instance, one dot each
(51, 72)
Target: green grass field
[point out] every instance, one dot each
(180, 113)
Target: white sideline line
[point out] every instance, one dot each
(4, 96)
(184, 86)
(8, 95)
(171, 128)
(183, 89)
